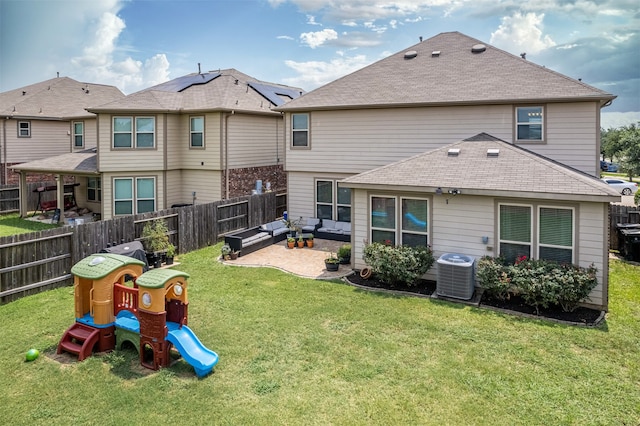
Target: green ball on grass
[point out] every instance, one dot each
(32, 354)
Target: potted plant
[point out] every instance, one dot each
(226, 252)
(300, 241)
(310, 240)
(155, 241)
(292, 225)
(171, 253)
(332, 263)
(234, 254)
(344, 254)
(291, 242)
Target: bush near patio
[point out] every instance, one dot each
(398, 264)
(540, 283)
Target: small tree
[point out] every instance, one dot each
(155, 236)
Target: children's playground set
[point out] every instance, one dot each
(151, 314)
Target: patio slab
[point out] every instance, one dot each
(305, 262)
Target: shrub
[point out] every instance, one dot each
(398, 264)
(636, 198)
(493, 278)
(540, 283)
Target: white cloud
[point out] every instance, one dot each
(521, 33)
(318, 38)
(311, 20)
(313, 74)
(615, 120)
(285, 37)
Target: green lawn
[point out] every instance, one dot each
(12, 224)
(297, 351)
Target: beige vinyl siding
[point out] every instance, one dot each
(572, 135)
(114, 160)
(197, 158)
(255, 141)
(206, 183)
(359, 140)
(175, 140)
(301, 192)
(48, 138)
(107, 189)
(458, 227)
(90, 133)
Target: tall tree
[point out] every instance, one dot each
(630, 150)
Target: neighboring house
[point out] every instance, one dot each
(439, 92)
(48, 119)
(203, 136)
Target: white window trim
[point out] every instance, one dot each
(543, 124)
(308, 130)
(97, 189)
(192, 132)
(133, 132)
(573, 231)
(426, 233)
(28, 129)
(535, 244)
(398, 230)
(134, 193)
(334, 197)
(74, 134)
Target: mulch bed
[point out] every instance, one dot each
(515, 305)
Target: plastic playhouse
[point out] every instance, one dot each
(151, 314)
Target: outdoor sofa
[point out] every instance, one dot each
(277, 229)
(333, 230)
(249, 240)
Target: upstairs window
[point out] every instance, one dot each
(129, 132)
(530, 124)
(196, 136)
(24, 129)
(300, 130)
(78, 134)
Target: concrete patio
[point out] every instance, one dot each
(305, 262)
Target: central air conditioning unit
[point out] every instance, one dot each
(456, 276)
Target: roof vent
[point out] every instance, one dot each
(435, 53)
(493, 152)
(453, 152)
(478, 48)
(410, 54)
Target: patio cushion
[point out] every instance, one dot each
(329, 224)
(267, 226)
(277, 225)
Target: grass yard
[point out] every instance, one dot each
(298, 352)
(12, 224)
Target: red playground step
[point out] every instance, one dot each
(79, 339)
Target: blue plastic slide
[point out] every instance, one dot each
(192, 350)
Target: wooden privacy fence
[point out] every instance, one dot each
(38, 261)
(10, 196)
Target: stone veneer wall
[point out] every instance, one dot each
(243, 181)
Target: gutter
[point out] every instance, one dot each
(225, 156)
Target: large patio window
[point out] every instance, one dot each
(556, 234)
(332, 201)
(515, 231)
(196, 135)
(300, 130)
(399, 221)
(126, 129)
(530, 123)
(78, 134)
(130, 199)
(553, 236)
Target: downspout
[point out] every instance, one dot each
(226, 153)
(165, 161)
(2, 144)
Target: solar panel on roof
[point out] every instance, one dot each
(181, 83)
(274, 94)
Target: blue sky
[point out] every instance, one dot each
(135, 44)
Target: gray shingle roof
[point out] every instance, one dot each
(83, 162)
(229, 91)
(455, 76)
(514, 172)
(57, 98)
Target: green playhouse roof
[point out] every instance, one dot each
(102, 264)
(156, 278)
